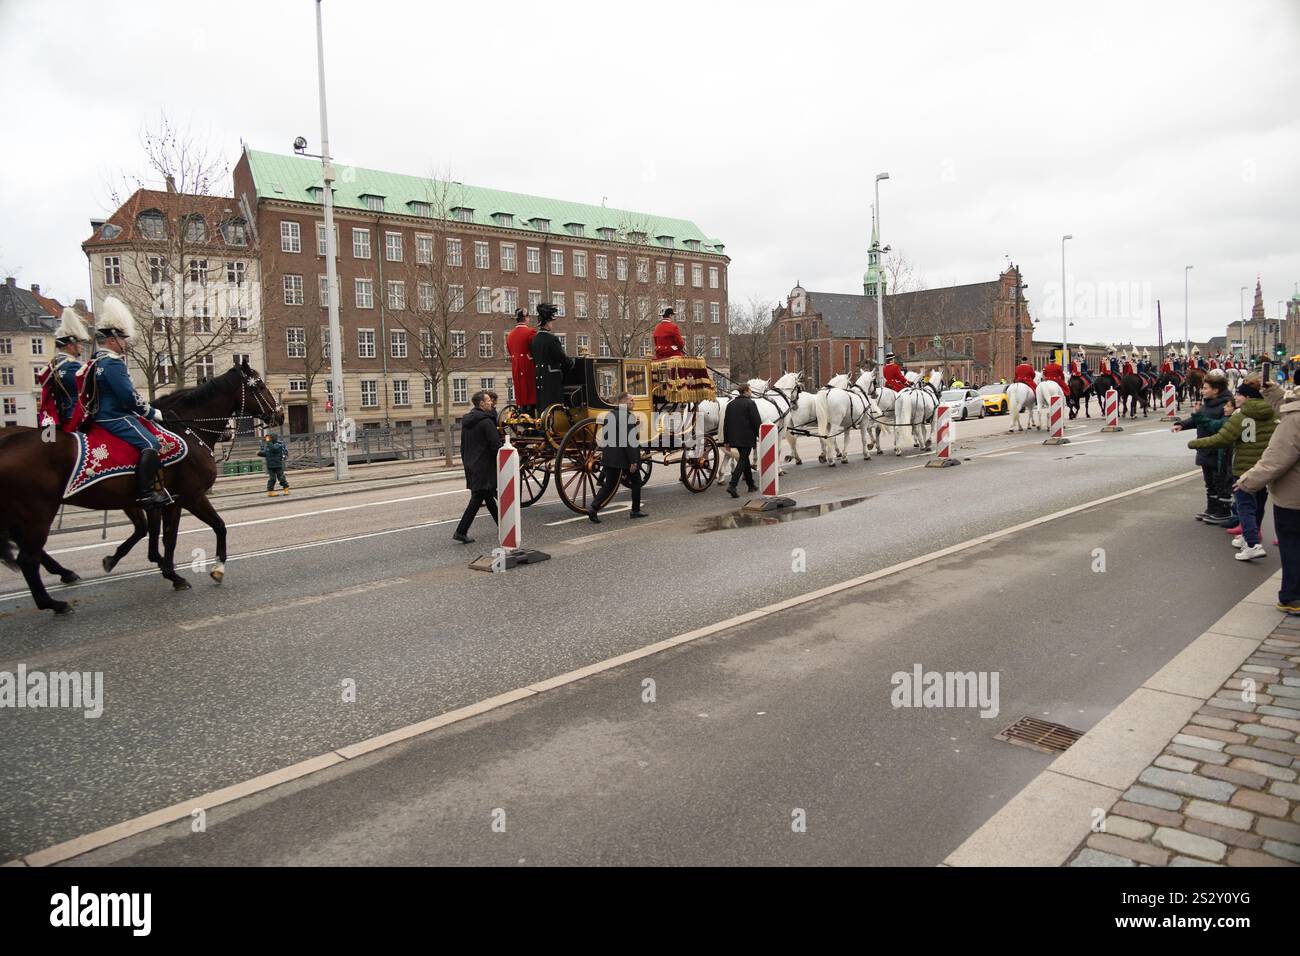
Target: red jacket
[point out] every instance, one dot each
(1052, 372)
(1128, 369)
(668, 340)
(894, 377)
(1166, 368)
(523, 370)
(1025, 375)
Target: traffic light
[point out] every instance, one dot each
(1279, 349)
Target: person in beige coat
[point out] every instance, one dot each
(1278, 469)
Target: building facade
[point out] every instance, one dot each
(27, 323)
(430, 274)
(976, 331)
(187, 267)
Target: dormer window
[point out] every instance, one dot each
(373, 202)
(719, 248)
(196, 230)
(421, 209)
(576, 229)
(462, 214)
(110, 231)
(541, 225)
(235, 232)
(606, 232)
(665, 241)
(505, 220)
(636, 236)
(317, 193)
(693, 245)
(151, 224)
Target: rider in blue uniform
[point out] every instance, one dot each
(67, 362)
(119, 407)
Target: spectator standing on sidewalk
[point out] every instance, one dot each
(479, 441)
(1278, 470)
(1214, 395)
(274, 452)
(1247, 433)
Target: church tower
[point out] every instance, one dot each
(1257, 311)
(873, 279)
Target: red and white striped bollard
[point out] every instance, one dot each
(1112, 412)
(510, 551)
(1171, 404)
(942, 439)
(1056, 421)
(768, 471)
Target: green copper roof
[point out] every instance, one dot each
(276, 176)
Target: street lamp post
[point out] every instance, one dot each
(331, 268)
(880, 292)
(1065, 333)
(1187, 338)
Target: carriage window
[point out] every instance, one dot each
(606, 385)
(635, 376)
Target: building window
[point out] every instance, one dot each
(642, 270)
(504, 219)
(196, 230)
(324, 292)
(969, 346)
(483, 300)
(151, 225)
(580, 305)
(459, 389)
(679, 273)
(422, 209)
(296, 342)
(365, 293)
(463, 214)
(620, 269)
(297, 385)
(397, 295)
(534, 300)
(235, 272)
(715, 348)
(557, 300)
(697, 275)
(453, 252)
(457, 343)
(579, 265)
(534, 259)
(112, 270)
(604, 347)
(38, 346)
(557, 262)
(602, 267)
(393, 246)
(457, 295)
(199, 271)
(482, 256)
(166, 373)
(365, 343)
(602, 306)
(508, 263)
(290, 237)
(11, 408)
(369, 393)
(320, 239)
(715, 312)
(713, 277)
(235, 232)
(206, 367)
(661, 271)
(485, 344)
(698, 309)
(360, 243)
(6, 346)
(401, 392)
(293, 290)
(428, 391)
(911, 350)
(564, 341)
(374, 203)
(699, 345)
(645, 345)
(424, 294)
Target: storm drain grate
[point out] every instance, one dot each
(1040, 735)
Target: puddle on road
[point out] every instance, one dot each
(753, 519)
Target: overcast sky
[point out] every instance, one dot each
(1159, 134)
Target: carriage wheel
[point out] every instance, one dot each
(577, 466)
(555, 422)
(647, 466)
(534, 473)
(699, 472)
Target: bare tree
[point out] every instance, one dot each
(177, 271)
(633, 287)
(900, 274)
(750, 338)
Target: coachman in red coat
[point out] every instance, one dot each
(894, 377)
(523, 370)
(1025, 374)
(1052, 372)
(668, 338)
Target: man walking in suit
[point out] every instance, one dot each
(740, 431)
(620, 455)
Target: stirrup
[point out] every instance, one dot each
(155, 499)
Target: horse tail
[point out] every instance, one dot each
(822, 403)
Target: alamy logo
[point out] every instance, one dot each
(922, 688)
(103, 909)
(77, 690)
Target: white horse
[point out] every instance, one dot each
(712, 413)
(799, 409)
(1045, 391)
(914, 407)
(1020, 397)
(843, 406)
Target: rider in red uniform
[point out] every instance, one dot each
(1127, 368)
(1052, 372)
(523, 370)
(1025, 373)
(894, 377)
(668, 337)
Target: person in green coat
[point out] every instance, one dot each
(275, 452)
(1247, 434)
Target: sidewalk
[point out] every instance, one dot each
(1198, 767)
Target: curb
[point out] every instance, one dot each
(1045, 823)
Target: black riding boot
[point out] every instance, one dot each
(145, 474)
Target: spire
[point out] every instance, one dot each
(873, 279)
(1257, 312)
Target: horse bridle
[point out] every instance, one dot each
(265, 414)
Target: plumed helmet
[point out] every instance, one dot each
(71, 328)
(1182, 353)
(1196, 350)
(115, 319)
(1110, 350)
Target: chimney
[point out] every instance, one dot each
(171, 183)
(36, 289)
(80, 306)
(10, 281)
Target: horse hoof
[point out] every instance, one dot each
(217, 574)
(70, 577)
(821, 458)
(180, 584)
(60, 607)
(108, 564)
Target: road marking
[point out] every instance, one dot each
(296, 602)
(1002, 454)
(1087, 441)
(127, 828)
(607, 511)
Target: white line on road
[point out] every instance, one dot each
(128, 828)
(606, 511)
(1002, 454)
(284, 605)
(1086, 441)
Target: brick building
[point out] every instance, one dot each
(27, 323)
(981, 328)
(431, 272)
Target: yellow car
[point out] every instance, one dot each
(995, 399)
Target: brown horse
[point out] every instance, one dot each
(33, 473)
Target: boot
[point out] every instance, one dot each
(1220, 512)
(1208, 513)
(146, 474)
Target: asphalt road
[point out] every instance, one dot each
(209, 687)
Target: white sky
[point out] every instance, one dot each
(1159, 134)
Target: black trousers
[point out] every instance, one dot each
(1286, 522)
(743, 469)
(609, 484)
(477, 499)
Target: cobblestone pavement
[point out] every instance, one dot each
(1224, 791)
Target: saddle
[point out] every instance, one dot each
(102, 455)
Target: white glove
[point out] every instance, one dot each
(155, 414)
